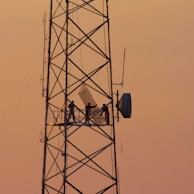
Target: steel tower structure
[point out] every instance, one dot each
(79, 144)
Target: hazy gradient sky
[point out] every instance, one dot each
(155, 147)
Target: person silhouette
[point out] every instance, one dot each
(106, 112)
(71, 111)
(88, 111)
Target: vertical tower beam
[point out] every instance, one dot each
(79, 144)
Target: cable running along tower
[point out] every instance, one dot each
(79, 135)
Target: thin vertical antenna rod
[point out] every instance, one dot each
(123, 70)
(44, 56)
(122, 82)
(45, 149)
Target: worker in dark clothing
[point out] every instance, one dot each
(88, 110)
(106, 112)
(71, 111)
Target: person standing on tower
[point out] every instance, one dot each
(88, 110)
(106, 112)
(71, 111)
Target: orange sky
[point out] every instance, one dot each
(155, 147)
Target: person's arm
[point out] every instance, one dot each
(94, 106)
